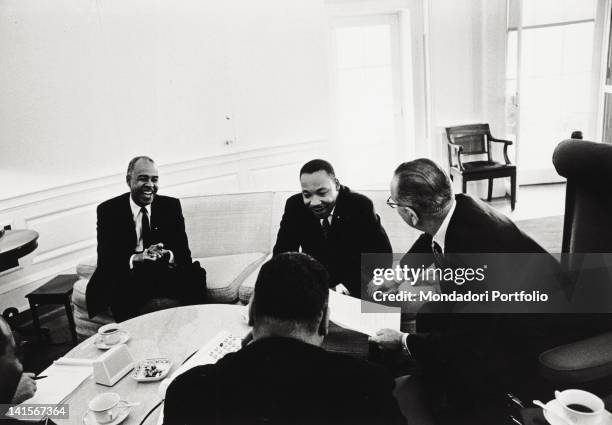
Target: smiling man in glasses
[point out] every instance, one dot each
(333, 224)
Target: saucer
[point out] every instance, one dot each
(555, 406)
(90, 419)
(122, 340)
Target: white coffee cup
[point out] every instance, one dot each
(106, 407)
(110, 334)
(581, 407)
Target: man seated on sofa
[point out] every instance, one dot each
(15, 385)
(334, 225)
(283, 375)
(144, 261)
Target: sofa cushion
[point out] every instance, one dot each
(247, 287)
(228, 224)
(87, 267)
(400, 234)
(78, 293)
(85, 326)
(225, 274)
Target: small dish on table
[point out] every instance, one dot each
(150, 370)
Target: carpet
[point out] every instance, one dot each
(547, 231)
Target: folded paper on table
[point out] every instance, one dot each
(60, 382)
(73, 362)
(347, 312)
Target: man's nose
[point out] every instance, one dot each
(315, 201)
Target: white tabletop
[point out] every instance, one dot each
(174, 333)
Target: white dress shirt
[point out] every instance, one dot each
(137, 215)
(440, 239)
(440, 236)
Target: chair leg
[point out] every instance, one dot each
(512, 191)
(490, 191)
(463, 185)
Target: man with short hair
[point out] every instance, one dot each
(334, 225)
(15, 386)
(421, 192)
(283, 376)
(468, 354)
(144, 261)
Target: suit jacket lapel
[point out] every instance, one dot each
(340, 210)
(129, 221)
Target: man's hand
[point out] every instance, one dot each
(341, 289)
(25, 389)
(388, 339)
(144, 256)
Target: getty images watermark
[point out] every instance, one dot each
(489, 283)
(458, 276)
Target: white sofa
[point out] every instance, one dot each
(232, 235)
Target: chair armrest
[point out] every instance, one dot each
(582, 361)
(458, 151)
(506, 144)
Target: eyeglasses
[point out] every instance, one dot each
(394, 204)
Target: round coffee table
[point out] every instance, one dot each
(174, 333)
(15, 244)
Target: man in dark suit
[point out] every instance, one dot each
(334, 225)
(144, 261)
(283, 376)
(470, 355)
(15, 385)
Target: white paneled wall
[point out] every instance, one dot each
(65, 217)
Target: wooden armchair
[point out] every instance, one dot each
(475, 139)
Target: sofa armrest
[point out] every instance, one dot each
(583, 361)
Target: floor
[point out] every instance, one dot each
(535, 201)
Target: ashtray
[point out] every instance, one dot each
(150, 370)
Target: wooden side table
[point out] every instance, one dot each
(14, 244)
(57, 291)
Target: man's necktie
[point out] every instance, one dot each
(326, 227)
(145, 229)
(438, 255)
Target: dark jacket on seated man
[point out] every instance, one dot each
(483, 352)
(283, 376)
(283, 381)
(15, 385)
(123, 282)
(354, 229)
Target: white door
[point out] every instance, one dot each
(367, 106)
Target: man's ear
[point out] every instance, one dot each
(127, 179)
(414, 217)
(324, 325)
(337, 183)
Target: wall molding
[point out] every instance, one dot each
(165, 168)
(64, 250)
